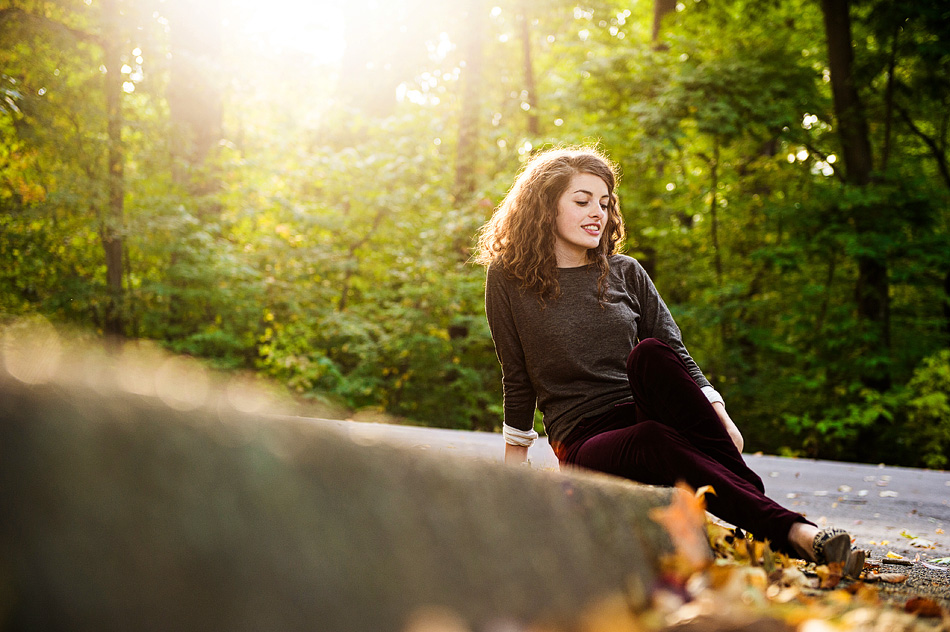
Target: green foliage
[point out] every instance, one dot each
(324, 241)
(928, 411)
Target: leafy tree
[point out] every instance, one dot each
(312, 218)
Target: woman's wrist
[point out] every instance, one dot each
(515, 436)
(731, 429)
(515, 454)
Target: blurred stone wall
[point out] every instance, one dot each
(123, 509)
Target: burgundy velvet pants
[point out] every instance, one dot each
(673, 434)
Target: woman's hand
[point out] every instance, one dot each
(515, 454)
(729, 425)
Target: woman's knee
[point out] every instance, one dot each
(646, 348)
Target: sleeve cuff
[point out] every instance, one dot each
(713, 395)
(519, 437)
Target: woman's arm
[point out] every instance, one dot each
(727, 422)
(519, 395)
(657, 322)
(515, 454)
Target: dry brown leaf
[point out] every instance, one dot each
(830, 574)
(790, 578)
(868, 595)
(924, 607)
(684, 520)
(889, 578)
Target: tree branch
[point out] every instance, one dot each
(931, 144)
(824, 157)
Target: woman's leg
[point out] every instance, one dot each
(664, 390)
(654, 453)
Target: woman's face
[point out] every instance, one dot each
(581, 217)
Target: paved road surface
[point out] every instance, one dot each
(875, 503)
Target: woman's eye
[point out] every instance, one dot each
(603, 206)
(581, 202)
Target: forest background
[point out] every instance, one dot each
(294, 188)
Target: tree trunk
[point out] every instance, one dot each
(946, 303)
(852, 122)
(534, 128)
(472, 47)
(889, 101)
(872, 288)
(113, 222)
(714, 228)
(661, 8)
(714, 214)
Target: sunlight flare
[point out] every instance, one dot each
(311, 28)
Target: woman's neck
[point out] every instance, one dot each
(569, 258)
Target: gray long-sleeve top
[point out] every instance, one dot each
(568, 358)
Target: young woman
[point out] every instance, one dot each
(583, 335)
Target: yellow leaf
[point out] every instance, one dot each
(894, 556)
(830, 575)
(684, 520)
(612, 614)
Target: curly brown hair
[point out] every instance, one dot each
(520, 234)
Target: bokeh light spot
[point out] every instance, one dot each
(32, 350)
(182, 384)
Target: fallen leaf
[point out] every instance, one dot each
(769, 562)
(612, 613)
(889, 578)
(923, 607)
(789, 578)
(907, 534)
(864, 593)
(830, 574)
(684, 520)
(922, 543)
(939, 531)
(894, 556)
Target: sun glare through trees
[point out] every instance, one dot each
(311, 28)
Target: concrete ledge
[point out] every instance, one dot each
(120, 512)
